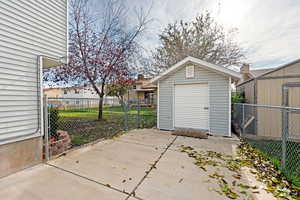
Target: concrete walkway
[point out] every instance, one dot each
(142, 164)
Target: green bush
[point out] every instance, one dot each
(54, 117)
(238, 97)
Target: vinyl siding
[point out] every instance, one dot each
(28, 28)
(218, 98)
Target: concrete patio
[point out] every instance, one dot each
(142, 164)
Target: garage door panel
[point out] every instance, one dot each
(190, 103)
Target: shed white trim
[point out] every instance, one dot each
(157, 111)
(233, 74)
(229, 110)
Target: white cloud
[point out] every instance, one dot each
(269, 30)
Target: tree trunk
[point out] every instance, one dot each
(100, 111)
(101, 95)
(121, 101)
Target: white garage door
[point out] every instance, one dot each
(191, 106)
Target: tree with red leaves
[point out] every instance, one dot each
(100, 47)
(119, 88)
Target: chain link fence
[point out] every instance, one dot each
(75, 121)
(275, 130)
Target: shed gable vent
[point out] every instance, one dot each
(189, 71)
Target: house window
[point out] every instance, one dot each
(189, 71)
(76, 91)
(134, 87)
(65, 92)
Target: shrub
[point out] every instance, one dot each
(54, 117)
(238, 97)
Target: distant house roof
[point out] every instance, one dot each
(262, 72)
(68, 88)
(145, 83)
(235, 75)
(257, 72)
(48, 89)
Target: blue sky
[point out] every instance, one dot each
(269, 30)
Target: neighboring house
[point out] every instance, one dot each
(53, 92)
(80, 92)
(76, 96)
(143, 91)
(71, 92)
(195, 94)
(33, 36)
(277, 86)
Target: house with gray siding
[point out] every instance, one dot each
(33, 36)
(194, 94)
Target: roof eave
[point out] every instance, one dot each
(234, 75)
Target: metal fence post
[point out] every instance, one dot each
(243, 117)
(284, 137)
(139, 114)
(126, 115)
(46, 128)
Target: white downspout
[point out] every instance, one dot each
(40, 68)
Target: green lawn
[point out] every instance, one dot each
(83, 126)
(92, 113)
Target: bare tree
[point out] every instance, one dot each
(100, 45)
(202, 38)
(142, 63)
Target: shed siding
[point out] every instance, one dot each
(269, 92)
(28, 28)
(218, 98)
(249, 91)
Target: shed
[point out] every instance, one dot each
(278, 86)
(195, 94)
